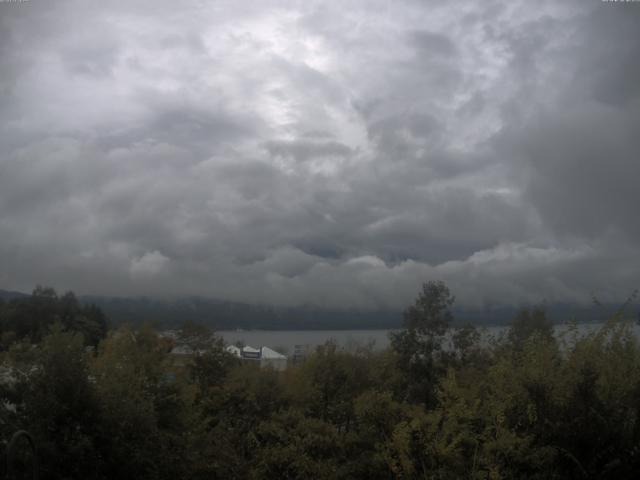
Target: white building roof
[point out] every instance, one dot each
(233, 350)
(264, 353)
(182, 350)
(186, 350)
(271, 354)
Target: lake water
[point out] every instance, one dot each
(286, 340)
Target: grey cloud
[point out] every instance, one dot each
(190, 128)
(333, 154)
(431, 43)
(612, 40)
(399, 134)
(303, 150)
(584, 170)
(97, 58)
(582, 153)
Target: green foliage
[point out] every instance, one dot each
(335, 378)
(143, 412)
(419, 344)
(466, 342)
(528, 323)
(210, 368)
(293, 446)
(59, 406)
(529, 406)
(196, 336)
(31, 318)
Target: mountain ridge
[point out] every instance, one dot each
(228, 315)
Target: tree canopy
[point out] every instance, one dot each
(441, 402)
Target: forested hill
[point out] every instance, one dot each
(222, 315)
(9, 295)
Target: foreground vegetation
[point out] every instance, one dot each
(439, 403)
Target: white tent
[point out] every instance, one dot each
(266, 356)
(250, 353)
(233, 350)
(273, 359)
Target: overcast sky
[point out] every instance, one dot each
(334, 153)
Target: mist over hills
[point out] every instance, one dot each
(9, 294)
(224, 315)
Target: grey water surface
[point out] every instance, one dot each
(286, 340)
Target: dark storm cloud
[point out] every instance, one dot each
(330, 154)
(583, 152)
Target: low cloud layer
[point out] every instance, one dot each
(329, 153)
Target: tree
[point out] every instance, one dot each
(197, 336)
(419, 344)
(230, 415)
(294, 446)
(60, 407)
(334, 378)
(466, 342)
(31, 317)
(210, 368)
(529, 323)
(143, 423)
(88, 320)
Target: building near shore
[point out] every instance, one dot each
(267, 357)
(183, 354)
